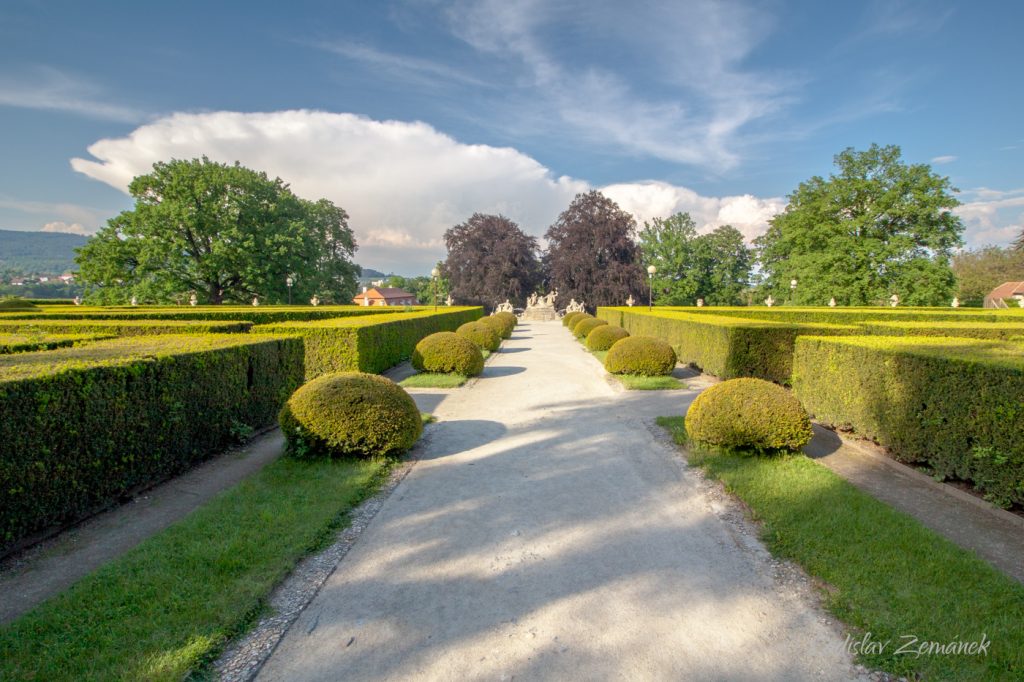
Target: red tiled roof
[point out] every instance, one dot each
(1007, 290)
(387, 293)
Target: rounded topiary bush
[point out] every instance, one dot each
(483, 335)
(501, 326)
(604, 336)
(448, 353)
(587, 325)
(571, 318)
(582, 316)
(749, 413)
(510, 319)
(350, 413)
(642, 355)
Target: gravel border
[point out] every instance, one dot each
(243, 658)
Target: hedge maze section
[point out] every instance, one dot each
(254, 314)
(28, 342)
(135, 327)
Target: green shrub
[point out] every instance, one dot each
(18, 304)
(83, 426)
(483, 335)
(368, 344)
(841, 315)
(350, 414)
(254, 314)
(509, 318)
(26, 343)
(604, 336)
(951, 403)
(570, 319)
(969, 329)
(749, 414)
(499, 325)
(123, 327)
(448, 353)
(640, 355)
(585, 326)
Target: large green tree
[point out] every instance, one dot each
(591, 253)
(980, 271)
(714, 266)
(223, 232)
(490, 259)
(875, 228)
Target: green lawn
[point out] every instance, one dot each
(434, 380)
(168, 607)
(885, 573)
(635, 382)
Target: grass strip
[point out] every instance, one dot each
(637, 382)
(168, 607)
(885, 573)
(434, 380)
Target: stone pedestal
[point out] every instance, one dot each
(539, 314)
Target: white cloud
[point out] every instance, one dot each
(947, 158)
(50, 89)
(403, 184)
(60, 226)
(991, 216)
(88, 216)
(413, 69)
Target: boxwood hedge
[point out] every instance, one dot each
(138, 327)
(24, 343)
(964, 329)
(84, 426)
(254, 314)
(952, 403)
(368, 344)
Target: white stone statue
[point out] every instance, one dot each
(832, 302)
(769, 301)
(78, 300)
(700, 302)
(549, 300)
(315, 301)
(630, 301)
(575, 307)
(955, 303)
(1020, 302)
(448, 301)
(531, 302)
(894, 301)
(135, 301)
(193, 300)
(255, 300)
(505, 307)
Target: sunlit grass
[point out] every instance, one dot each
(434, 380)
(636, 382)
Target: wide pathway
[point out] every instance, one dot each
(548, 532)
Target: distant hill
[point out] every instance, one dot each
(369, 273)
(49, 252)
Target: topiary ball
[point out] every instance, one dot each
(587, 325)
(448, 353)
(499, 325)
(583, 316)
(509, 319)
(571, 318)
(604, 336)
(350, 414)
(483, 335)
(749, 413)
(642, 355)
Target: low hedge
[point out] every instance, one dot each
(368, 344)
(749, 414)
(255, 314)
(124, 328)
(583, 328)
(350, 414)
(604, 336)
(17, 304)
(727, 347)
(483, 335)
(26, 343)
(571, 318)
(640, 355)
(510, 319)
(952, 403)
(82, 427)
(448, 353)
(842, 315)
(975, 330)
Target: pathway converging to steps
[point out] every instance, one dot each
(549, 532)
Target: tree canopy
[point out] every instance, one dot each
(223, 232)
(876, 228)
(980, 271)
(490, 259)
(714, 267)
(591, 254)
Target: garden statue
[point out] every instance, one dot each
(894, 300)
(956, 302)
(575, 307)
(448, 301)
(769, 301)
(192, 300)
(700, 302)
(832, 302)
(315, 301)
(531, 302)
(78, 300)
(1020, 302)
(630, 301)
(255, 300)
(540, 308)
(505, 307)
(135, 301)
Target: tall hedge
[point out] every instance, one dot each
(727, 347)
(368, 344)
(84, 426)
(956, 404)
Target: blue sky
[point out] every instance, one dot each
(413, 115)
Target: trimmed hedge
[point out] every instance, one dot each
(604, 336)
(26, 343)
(483, 335)
(83, 427)
(368, 344)
(641, 355)
(448, 353)
(585, 326)
(844, 315)
(975, 330)
(17, 304)
(119, 328)
(510, 319)
(952, 403)
(569, 319)
(500, 325)
(254, 314)
(350, 413)
(749, 413)
(727, 347)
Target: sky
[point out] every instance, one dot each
(414, 114)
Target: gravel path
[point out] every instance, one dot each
(548, 531)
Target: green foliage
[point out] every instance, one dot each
(980, 271)
(137, 327)
(226, 233)
(583, 328)
(975, 330)
(254, 314)
(25, 252)
(370, 343)
(642, 355)
(878, 227)
(19, 304)
(448, 353)
(30, 341)
(509, 318)
(483, 335)
(749, 414)
(715, 266)
(82, 426)
(604, 336)
(501, 325)
(570, 319)
(433, 380)
(350, 414)
(490, 259)
(952, 403)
